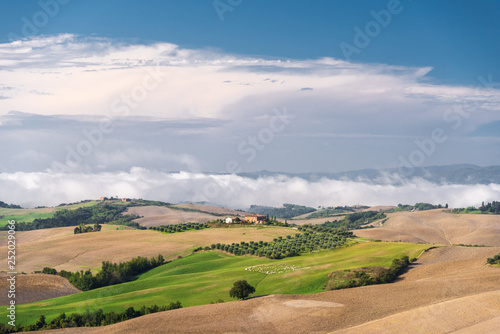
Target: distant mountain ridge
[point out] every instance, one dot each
(453, 174)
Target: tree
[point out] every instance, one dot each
(241, 289)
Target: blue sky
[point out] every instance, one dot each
(459, 39)
(145, 87)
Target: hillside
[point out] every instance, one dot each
(35, 287)
(204, 277)
(450, 285)
(438, 227)
(61, 249)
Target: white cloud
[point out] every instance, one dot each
(33, 189)
(375, 110)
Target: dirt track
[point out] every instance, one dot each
(449, 289)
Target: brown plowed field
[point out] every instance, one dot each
(35, 287)
(449, 289)
(438, 227)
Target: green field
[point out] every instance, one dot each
(204, 277)
(28, 215)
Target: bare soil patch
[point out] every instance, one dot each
(35, 287)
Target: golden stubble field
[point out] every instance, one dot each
(448, 290)
(438, 227)
(59, 248)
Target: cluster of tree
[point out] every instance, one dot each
(102, 213)
(356, 220)
(286, 212)
(368, 276)
(9, 206)
(290, 246)
(326, 212)
(241, 290)
(418, 207)
(494, 260)
(93, 319)
(85, 229)
(493, 207)
(173, 228)
(110, 274)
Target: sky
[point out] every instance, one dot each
(109, 88)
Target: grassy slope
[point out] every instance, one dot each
(28, 215)
(201, 278)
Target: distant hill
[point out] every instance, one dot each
(286, 212)
(455, 174)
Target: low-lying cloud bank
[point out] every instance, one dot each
(50, 189)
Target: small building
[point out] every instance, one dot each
(255, 218)
(126, 200)
(103, 198)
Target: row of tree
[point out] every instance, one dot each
(419, 207)
(173, 228)
(110, 274)
(289, 246)
(86, 319)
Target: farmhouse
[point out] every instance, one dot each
(103, 198)
(255, 218)
(126, 200)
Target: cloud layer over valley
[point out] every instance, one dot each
(49, 189)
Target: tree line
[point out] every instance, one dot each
(493, 207)
(355, 220)
(418, 207)
(286, 212)
(110, 274)
(86, 319)
(9, 206)
(173, 228)
(326, 212)
(368, 276)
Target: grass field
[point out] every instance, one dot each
(28, 215)
(201, 278)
